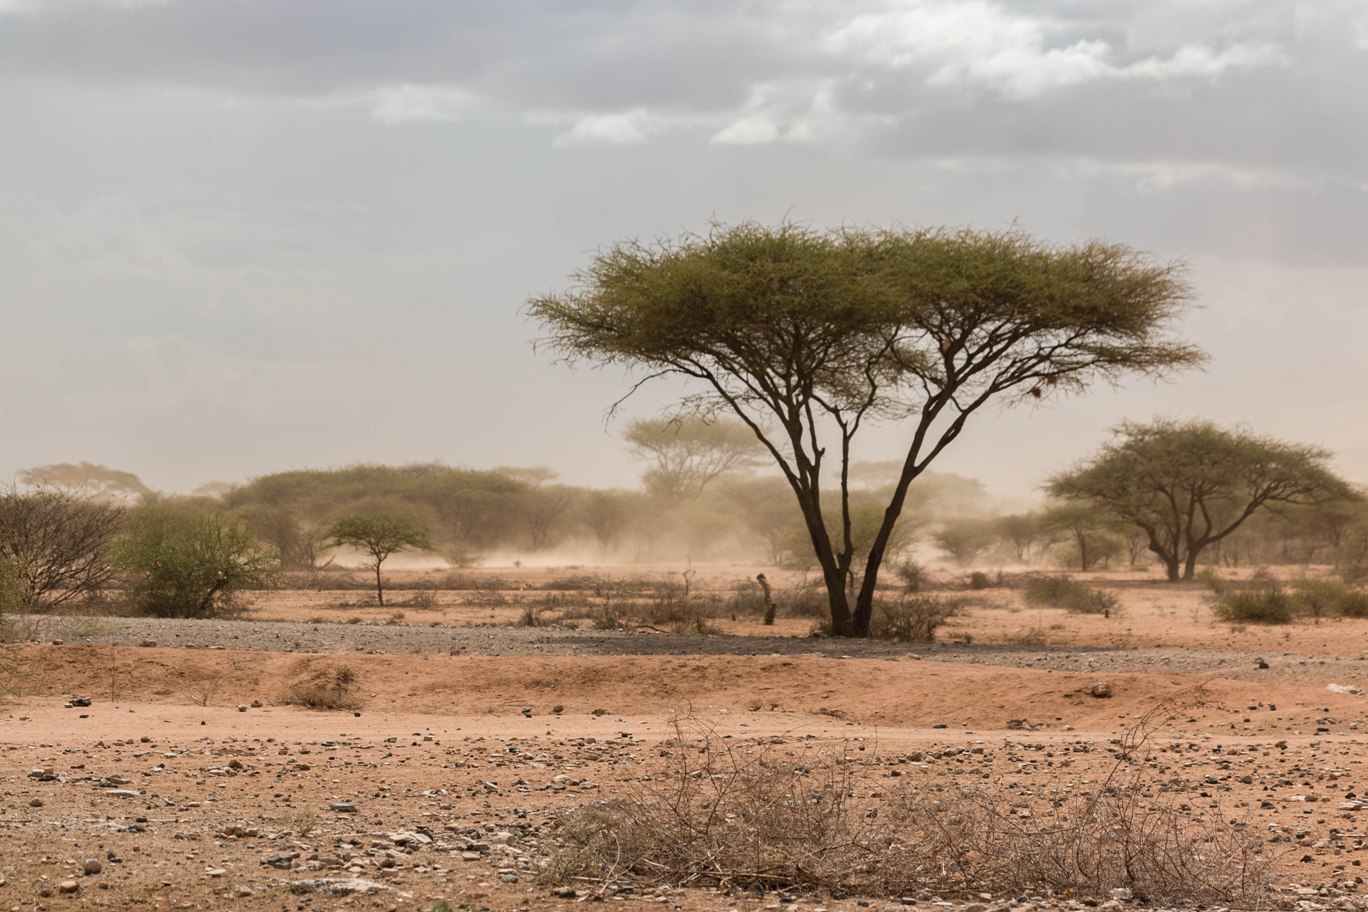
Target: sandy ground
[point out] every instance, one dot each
(188, 782)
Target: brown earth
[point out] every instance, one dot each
(189, 782)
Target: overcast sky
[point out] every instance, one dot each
(244, 236)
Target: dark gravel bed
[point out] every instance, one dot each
(523, 641)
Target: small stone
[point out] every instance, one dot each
(343, 807)
(92, 866)
(527, 711)
(121, 793)
(35, 802)
(215, 872)
(1102, 690)
(68, 886)
(256, 704)
(242, 707)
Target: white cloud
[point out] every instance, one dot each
(613, 129)
(985, 45)
(397, 104)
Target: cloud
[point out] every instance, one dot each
(397, 104)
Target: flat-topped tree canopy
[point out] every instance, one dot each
(1188, 485)
(805, 335)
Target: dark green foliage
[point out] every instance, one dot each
(1069, 594)
(187, 563)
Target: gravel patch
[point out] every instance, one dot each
(284, 636)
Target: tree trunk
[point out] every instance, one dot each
(379, 588)
(1190, 565)
(839, 600)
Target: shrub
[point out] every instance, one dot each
(980, 580)
(327, 689)
(1326, 598)
(1069, 594)
(57, 544)
(913, 576)
(1261, 602)
(192, 564)
(748, 815)
(911, 619)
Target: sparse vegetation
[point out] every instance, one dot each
(912, 618)
(1069, 594)
(749, 815)
(326, 689)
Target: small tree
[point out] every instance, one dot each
(806, 337)
(1190, 485)
(57, 543)
(191, 563)
(379, 537)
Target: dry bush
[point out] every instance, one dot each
(326, 689)
(1262, 600)
(1069, 594)
(911, 618)
(753, 815)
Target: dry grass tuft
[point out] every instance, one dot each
(753, 815)
(326, 689)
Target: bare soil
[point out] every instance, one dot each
(189, 781)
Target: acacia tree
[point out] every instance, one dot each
(378, 536)
(1189, 485)
(815, 334)
(690, 451)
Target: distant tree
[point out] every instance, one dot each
(186, 562)
(964, 539)
(1087, 530)
(689, 451)
(293, 539)
(606, 515)
(89, 479)
(1190, 485)
(57, 543)
(808, 336)
(378, 537)
(764, 507)
(1021, 533)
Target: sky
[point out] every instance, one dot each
(250, 236)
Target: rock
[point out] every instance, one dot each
(68, 886)
(283, 860)
(1260, 664)
(1344, 689)
(1102, 690)
(121, 793)
(92, 866)
(527, 711)
(337, 886)
(343, 807)
(256, 704)
(78, 701)
(215, 872)
(242, 707)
